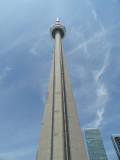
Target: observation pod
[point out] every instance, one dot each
(57, 27)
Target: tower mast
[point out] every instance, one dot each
(61, 137)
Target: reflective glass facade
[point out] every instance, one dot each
(116, 142)
(95, 147)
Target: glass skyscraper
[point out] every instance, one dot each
(95, 147)
(116, 142)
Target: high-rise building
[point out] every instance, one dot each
(116, 142)
(95, 147)
(61, 136)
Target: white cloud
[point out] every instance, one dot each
(101, 91)
(98, 73)
(33, 50)
(102, 94)
(99, 119)
(21, 39)
(94, 14)
(102, 97)
(25, 37)
(101, 101)
(39, 43)
(79, 47)
(84, 45)
(4, 72)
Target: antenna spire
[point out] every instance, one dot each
(57, 20)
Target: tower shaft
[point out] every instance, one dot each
(61, 137)
(58, 130)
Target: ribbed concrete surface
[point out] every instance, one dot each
(61, 137)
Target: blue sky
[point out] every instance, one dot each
(92, 51)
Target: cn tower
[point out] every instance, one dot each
(61, 136)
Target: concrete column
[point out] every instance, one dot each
(61, 136)
(58, 138)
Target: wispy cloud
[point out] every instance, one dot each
(101, 91)
(98, 73)
(4, 72)
(33, 50)
(25, 38)
(94, 14)
(100, 88)
(99, 119)
(21, 39)
(84, 45)
(39, 43)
